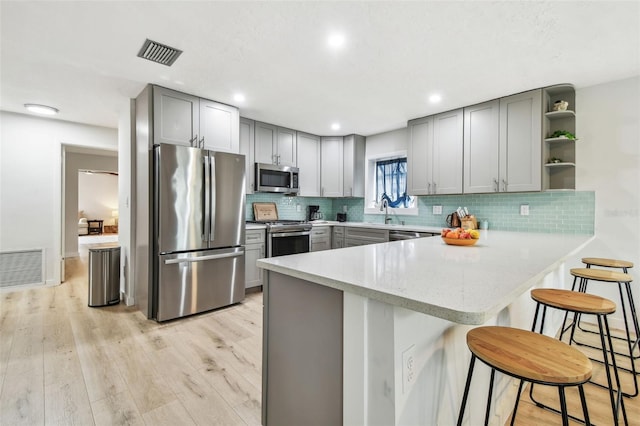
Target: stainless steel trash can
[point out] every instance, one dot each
(104, 276)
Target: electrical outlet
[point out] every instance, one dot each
(437, 209)
(344, 209)
(524, 209)
(408, 368)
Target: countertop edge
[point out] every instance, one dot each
(460, 317)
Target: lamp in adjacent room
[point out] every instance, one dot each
(114, 215)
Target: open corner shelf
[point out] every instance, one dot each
(560, 165)
(559, 176)
(559, 114)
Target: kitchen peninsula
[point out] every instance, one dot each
(376, 334)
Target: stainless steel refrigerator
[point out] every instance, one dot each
(198, 230)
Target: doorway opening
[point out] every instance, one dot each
(76, 161)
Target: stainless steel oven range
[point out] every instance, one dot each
(287, 237)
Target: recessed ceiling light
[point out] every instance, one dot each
(335, 126)
(41, 109)
(239, 97)
(336, 40)
(435, 98)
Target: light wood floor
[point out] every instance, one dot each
(62, 362)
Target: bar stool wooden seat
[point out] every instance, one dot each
(608, 263)
(530, 357)
(583, 276)
(588, 304)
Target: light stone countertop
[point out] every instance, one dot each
(250, 226)
(463, 284)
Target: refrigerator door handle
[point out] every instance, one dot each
(212, 206)
(206, 200)
(203, 258)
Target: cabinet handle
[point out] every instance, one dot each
(202, 142)
(496, 188)
(435, 191)
(322, 191)
(504, 185)
(429, 188)
(191, 141)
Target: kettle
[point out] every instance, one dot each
(453, 220)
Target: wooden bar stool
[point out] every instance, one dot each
(588, 304)
(530, 357)
(625, 265)
(582, 276)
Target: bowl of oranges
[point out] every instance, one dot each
(460, 237)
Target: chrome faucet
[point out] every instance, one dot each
(385, 206)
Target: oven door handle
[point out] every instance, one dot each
(290, 234)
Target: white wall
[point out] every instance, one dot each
(608, 162)
(126, 150)
(30, 181)
(75, 161)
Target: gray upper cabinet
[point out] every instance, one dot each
(176, 117)
(247, 130)
(331, 166)
(447, 152)
(481, 147)
(521, 142)
(265, 143)
(287, 147)
(182, 119)
(219, 127)
(275, 145)
(503, 144)
(353, 150)
(434, 156)
(419, 156)
(309, 164)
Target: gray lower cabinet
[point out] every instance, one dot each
(362, 236)
(254, 250)
(337, 237)
(302, 345)
(321, 238)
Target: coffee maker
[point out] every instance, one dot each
(314, 213)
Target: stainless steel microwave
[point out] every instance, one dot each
(276, 178)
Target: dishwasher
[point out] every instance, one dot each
(408, 235)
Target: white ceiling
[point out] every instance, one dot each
(80, 57)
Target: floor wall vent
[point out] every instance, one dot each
(21, 267)
(158, 52)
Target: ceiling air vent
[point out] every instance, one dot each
(158, 52)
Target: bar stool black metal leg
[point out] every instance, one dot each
(563, 406)
(617, 401)
(583, 401)
(488, 410)
(466, 389)
(515, 407)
